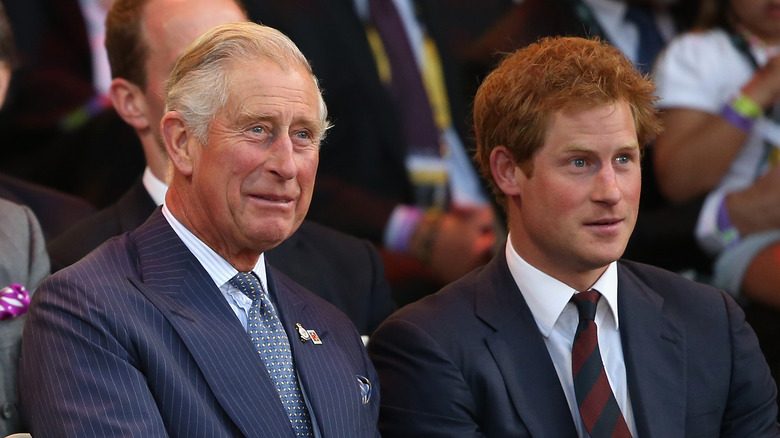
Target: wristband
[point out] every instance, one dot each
(747, 107)
(736, 119)
(741, 112)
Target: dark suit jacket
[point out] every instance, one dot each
(135, 340)
(126, 214)
(55, 211)
(470, 361)
(342, 269)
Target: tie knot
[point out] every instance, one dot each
(248, 283)
(586, 303)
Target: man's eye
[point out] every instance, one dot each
(578, 162)
(302, 135)
(257, 129)
(623, 159)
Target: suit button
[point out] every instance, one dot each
(8, 410)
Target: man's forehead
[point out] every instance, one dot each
(181, 22)
(251, 83)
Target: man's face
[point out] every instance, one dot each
(252, 183)
(579, 207)
(170, 26)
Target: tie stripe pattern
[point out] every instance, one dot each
(407, 87)
(272, 344)
(595, 399)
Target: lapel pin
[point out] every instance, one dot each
(302, 332)
(314, 337)
(308, 335)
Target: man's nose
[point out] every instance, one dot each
(281, 159)
(607, 186)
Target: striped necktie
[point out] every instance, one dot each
(406, 87)
(272, 344)
(595, 399)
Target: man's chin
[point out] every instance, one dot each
(272, 234)
(603, 259)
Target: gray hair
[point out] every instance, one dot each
(198, 85)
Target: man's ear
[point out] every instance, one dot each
(130, 103)
(506, 173)
(179, 142)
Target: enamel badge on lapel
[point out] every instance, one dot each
(308, 335)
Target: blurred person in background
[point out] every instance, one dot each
(720, 88)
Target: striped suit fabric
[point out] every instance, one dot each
(136, 340)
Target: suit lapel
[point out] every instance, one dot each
(521, 355)
(175, 282)
(654, 352)
(322, 370)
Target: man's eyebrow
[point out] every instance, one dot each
(246, 117)
(574, 147)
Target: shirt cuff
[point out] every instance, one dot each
(714, 230)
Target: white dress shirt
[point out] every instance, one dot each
(218, 268)
(156, 188)
(557, 319)
(221, 272)
(622, 33)
(94, 13)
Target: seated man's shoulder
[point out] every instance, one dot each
(672, 287)
(323, 243)
(12, 211)
(84, 236)
(327, 235)
(56, 211)
(453, 308)
(111, 260)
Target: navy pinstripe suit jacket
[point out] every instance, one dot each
(135, 340)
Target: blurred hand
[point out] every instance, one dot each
(757, 208)
(764, 86)
(462, 240)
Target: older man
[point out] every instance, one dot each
(144, 38)
(555, 337)
(180, 328)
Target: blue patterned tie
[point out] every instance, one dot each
(272, 344)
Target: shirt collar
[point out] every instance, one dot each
(547, 296)
(609, 13)
(217, 267)
(154, 186)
